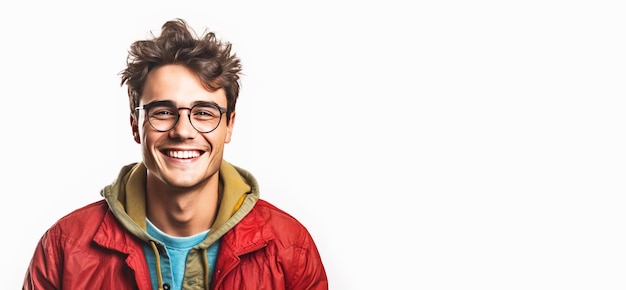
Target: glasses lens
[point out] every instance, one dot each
(163, 116)
(205, 117)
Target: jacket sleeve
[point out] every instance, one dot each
(309, 269)
(43, 271)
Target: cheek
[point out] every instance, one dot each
(147, 135)
(216, 141)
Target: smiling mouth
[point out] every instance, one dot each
(180, 154)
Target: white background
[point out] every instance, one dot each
(431, 145)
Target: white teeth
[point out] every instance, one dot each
(183, 154)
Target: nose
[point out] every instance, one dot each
(183, 128)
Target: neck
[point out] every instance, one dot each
(182, 212)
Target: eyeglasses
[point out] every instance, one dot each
(163, 115)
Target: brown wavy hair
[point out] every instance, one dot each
(210, 58)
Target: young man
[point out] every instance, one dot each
(183, 218)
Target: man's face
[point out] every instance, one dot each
(181, 157)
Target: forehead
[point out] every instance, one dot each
(180, 85)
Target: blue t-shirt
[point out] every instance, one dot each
(173, 262)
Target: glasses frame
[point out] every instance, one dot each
(146, 108)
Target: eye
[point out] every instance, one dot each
(162, 112)
(205, 112)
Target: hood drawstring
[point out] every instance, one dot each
(158, 264)
(206, 268)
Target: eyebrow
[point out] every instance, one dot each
(192, 104)
(205, 102)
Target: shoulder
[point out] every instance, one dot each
(80, 222)
(95, 210)
(281, 224)
(272, 213)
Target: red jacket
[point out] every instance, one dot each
(89, 249)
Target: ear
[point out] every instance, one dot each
(134, 125)
(229, 128)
